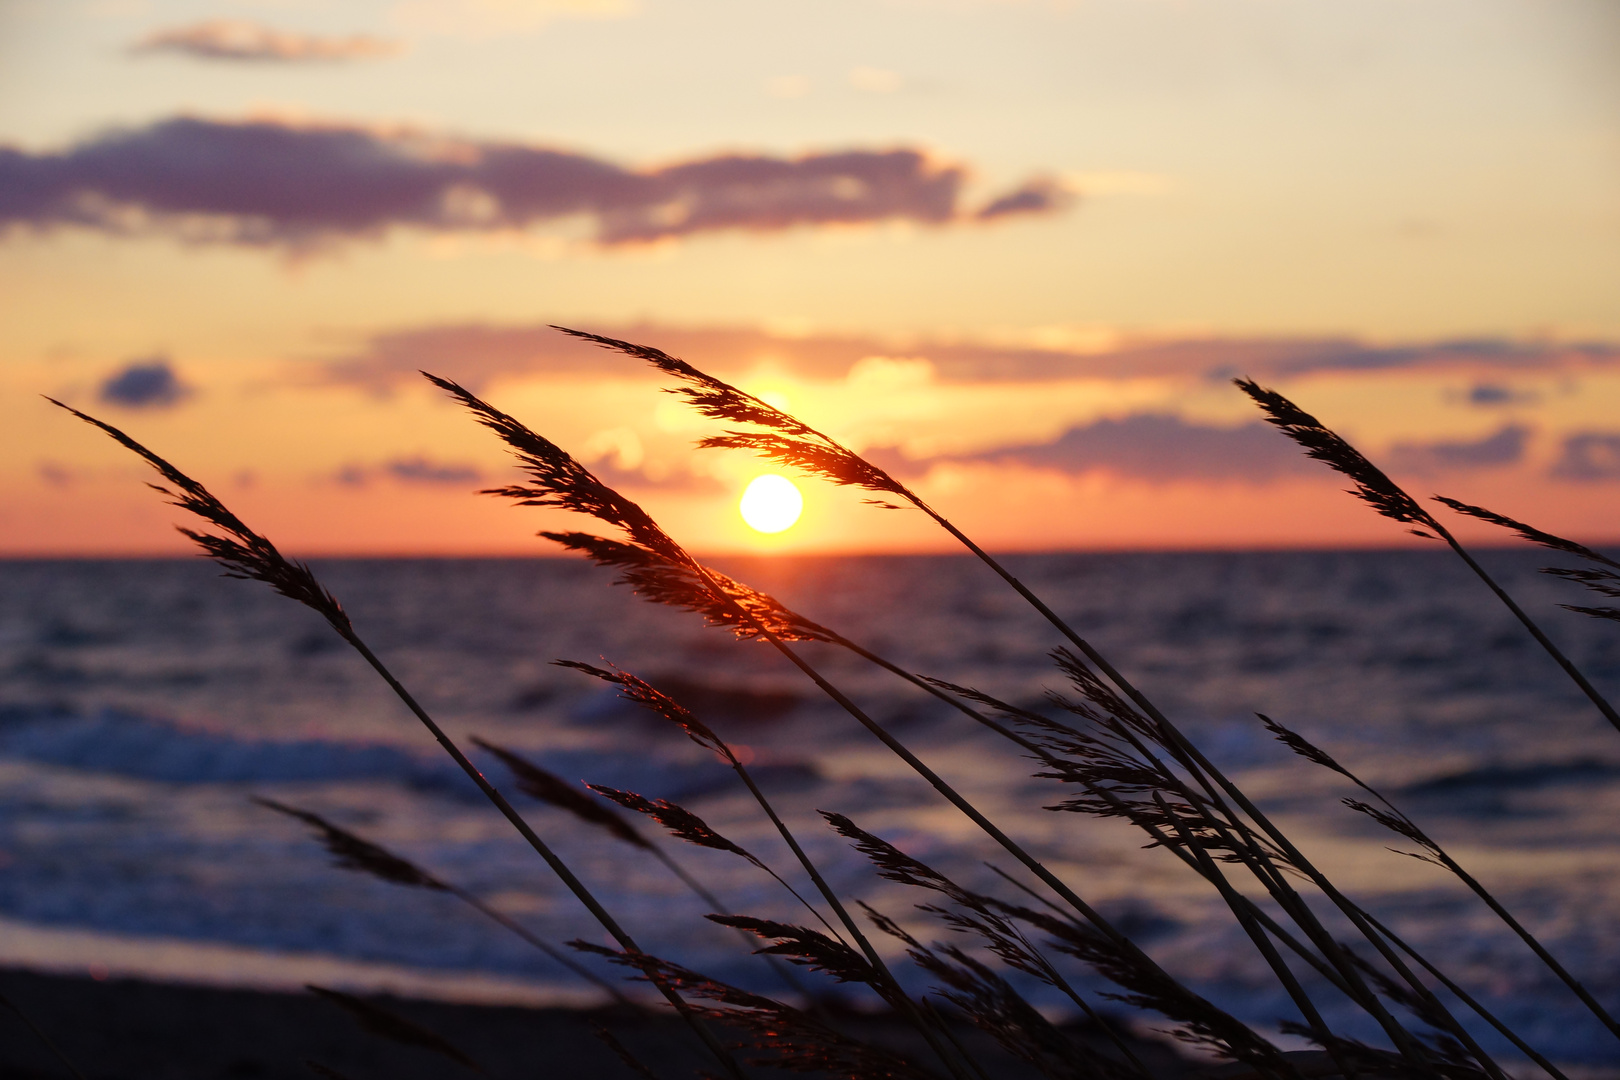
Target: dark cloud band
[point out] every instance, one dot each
(475, 353)
(237, 40)
(271, 183)
(144, 384)
(1161, 448)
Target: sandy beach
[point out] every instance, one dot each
(121, 1029)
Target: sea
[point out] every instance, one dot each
(145, 703)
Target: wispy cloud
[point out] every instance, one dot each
(1501, 448)
(1488, 394)
(239, 40)
(274, 183)
(144, 384)
(416, 470)
(1158, 448)
(475, 353)
(1037, 196)
(1589, 456)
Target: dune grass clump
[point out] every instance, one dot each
(1107, 749)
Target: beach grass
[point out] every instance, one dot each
(1108, 750)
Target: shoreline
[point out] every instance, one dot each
(127, 1028)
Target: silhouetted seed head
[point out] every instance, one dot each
(390, 1025)
(1149, 987)
(662, 581)
(556, 479)
(537, 783)
(788, 1039)
(1110, 711)
(1302, 746)
(1602, 581)
(1400, 824)
(992, 1005)
(890, 861)
(241, 551)
(1612, 614)
(1528, 532)
(981, 919)
(789, 441)
(887, 925)
(1372, 486)
(353, 853)
(655, 700)
(1457, 1063)
(808, 948)
(680, 822)
(1599, 580)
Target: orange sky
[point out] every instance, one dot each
(1016, 251)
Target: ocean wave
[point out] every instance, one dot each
(127, 744)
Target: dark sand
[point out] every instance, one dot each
(124, 1029)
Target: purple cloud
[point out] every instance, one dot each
(475, 353)
(1038, 196)
(410, 470)
(1160, 448)
(1503, 447)
(144, 384)
(271, 183)
(1589, 456)
(235, 39)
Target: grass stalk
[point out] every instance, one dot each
(363, 856)
(643, 693)
(1285, 975)
(796, 444)
(248, 554)
(1397, 821)
(557, 480)
(1349, 979)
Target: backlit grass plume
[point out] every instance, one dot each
(1390, 500)
(351, 852)
(680, 822)
(1601, 577)
(1320, 442)
(1395, 820)
(788, 439)
(241, 551)
(537, 783)
(1237, 832)
(247, 554)
(557, 480)
(1145, 985)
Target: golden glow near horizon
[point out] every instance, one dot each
(771, 504)
(1012, 252)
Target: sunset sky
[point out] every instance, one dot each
(1014, 249)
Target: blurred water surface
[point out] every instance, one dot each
(142, 702)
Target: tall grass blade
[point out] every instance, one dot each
(1394, 819)
(540, 459)
(353, 853)
(656, 701)
(246, 554)
(1388, 499)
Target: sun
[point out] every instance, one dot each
(771, 503)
